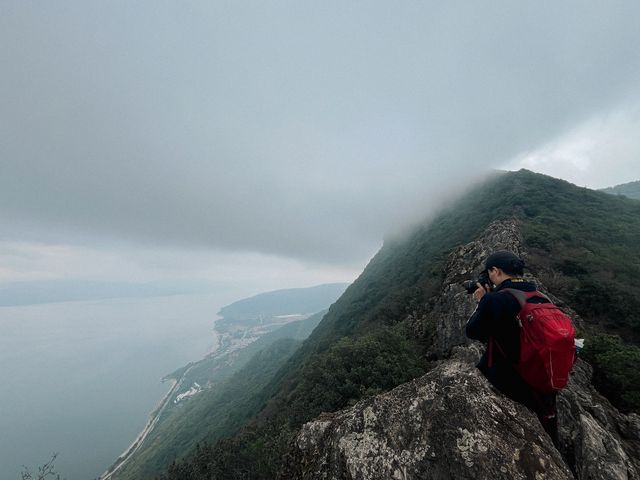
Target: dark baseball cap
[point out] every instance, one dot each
(505, 260)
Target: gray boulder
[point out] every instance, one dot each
(598, 441)
(447, 424)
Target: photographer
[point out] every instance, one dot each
(494, 322)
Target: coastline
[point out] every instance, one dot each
(226, 343)
(155, 414)
(154, 417)
(151, 423)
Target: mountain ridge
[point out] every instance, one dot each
(576, 240)
(630, 189)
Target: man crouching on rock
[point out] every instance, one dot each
(494, 322)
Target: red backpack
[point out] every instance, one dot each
(547, 347)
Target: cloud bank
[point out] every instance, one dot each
(298, 129)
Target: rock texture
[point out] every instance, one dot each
(452, 424)
(454, 306)
(448, 424)
(598, 441)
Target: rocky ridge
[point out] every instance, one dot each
(452, 424)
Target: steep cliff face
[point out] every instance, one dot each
(598, 441)
(452, 424)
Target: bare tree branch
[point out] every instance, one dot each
(44, 471)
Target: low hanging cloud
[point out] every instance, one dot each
(304, 130)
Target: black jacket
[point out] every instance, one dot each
(495, 316)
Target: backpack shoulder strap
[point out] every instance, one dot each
(522, 297)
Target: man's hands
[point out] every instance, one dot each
(480, 291)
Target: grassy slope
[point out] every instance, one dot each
(580, 238)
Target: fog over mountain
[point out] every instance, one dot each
(169, 136)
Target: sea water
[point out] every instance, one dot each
(80, 378)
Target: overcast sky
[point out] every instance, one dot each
(278, 142)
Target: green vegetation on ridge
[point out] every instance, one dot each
(616, 371)
(631, 190)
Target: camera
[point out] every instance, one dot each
(472, 285)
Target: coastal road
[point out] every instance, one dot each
(153, 420)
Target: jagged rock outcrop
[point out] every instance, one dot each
(447, 424)
(598, 441)
(453, 306)
(452, 424)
